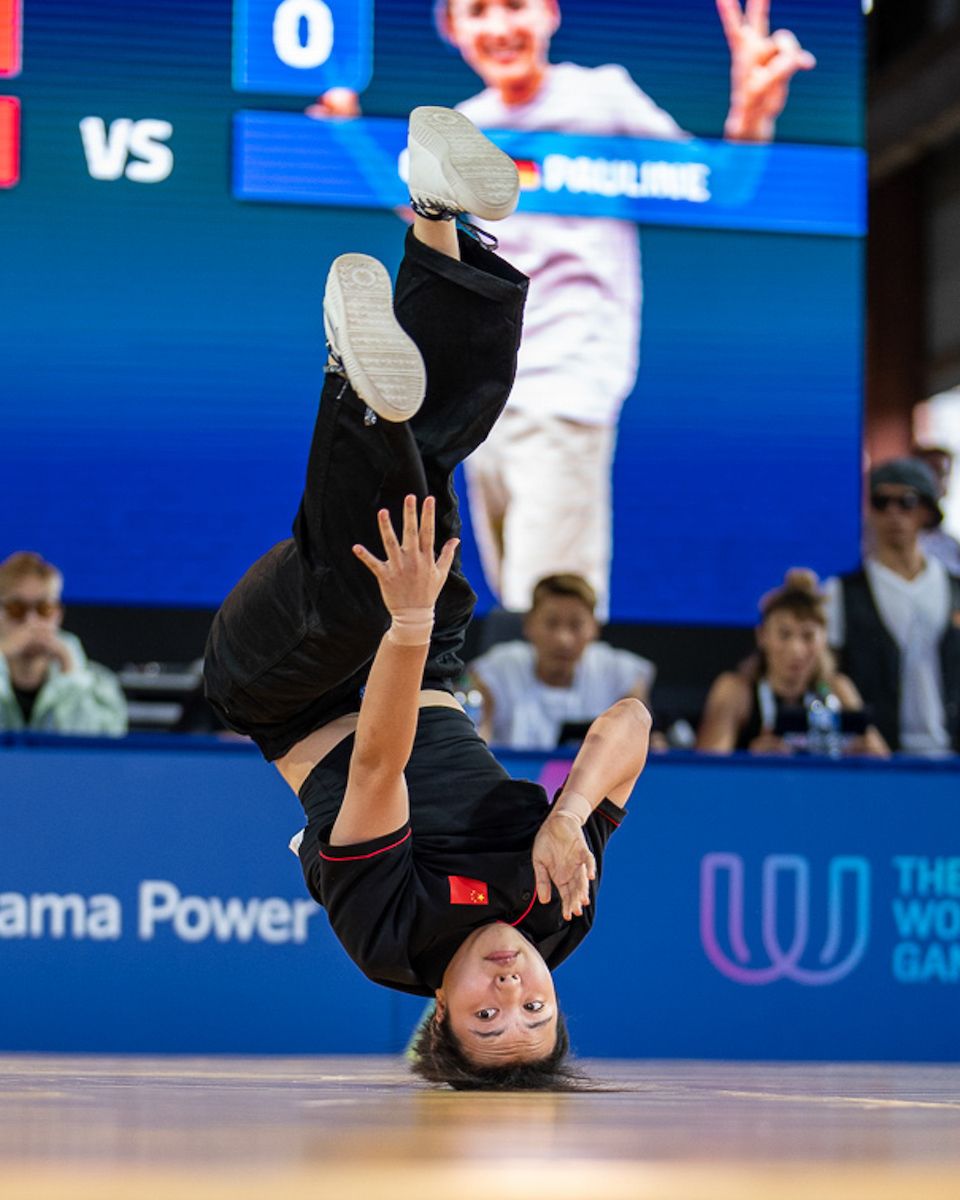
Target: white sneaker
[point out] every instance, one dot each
(381, 363)
(454, 168)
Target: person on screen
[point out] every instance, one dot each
(791, 670)
(440, 875)
(895, 621)
(539, 488)
(47, 683)
(559, 675)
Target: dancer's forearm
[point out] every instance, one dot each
(611, 758)
(390, 707)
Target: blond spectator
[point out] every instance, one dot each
(46, 680)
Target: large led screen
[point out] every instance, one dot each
(174, 180)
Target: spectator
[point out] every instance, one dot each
(561, 675)
(792, 669)
(46, 681)
(936, 540)
(896, 619)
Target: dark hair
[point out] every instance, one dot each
(799, 595)
(438, 1057)
(574, 586)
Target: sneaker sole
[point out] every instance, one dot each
(383, 364)
(482, 177)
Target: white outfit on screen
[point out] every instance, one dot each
(916, 613)
(528, 714)
(579, 355)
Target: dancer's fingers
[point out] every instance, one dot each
(428, 525)
(369, 561)
(409, 522)
(389, 538)
(544, 883)
(445, 560)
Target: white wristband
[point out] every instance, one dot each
(574, 806)
(411, 626)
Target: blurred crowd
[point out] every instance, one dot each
(866, 663)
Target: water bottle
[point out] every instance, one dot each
(823, 726)
(471, 700)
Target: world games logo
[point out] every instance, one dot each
(785, 883)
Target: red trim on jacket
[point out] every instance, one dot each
(372, 854)
(526, 911)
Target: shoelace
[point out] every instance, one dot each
(435, 212)
(335, 367)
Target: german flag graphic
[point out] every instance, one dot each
(530, 178)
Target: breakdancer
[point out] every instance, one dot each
(441, 876)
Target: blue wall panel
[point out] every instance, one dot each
(853, 952)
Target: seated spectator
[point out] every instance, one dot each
(934, 540)
(896, 620)
(561, 675)
(46, 680)
(774, 689)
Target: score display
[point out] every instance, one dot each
(170, 209)
(302, 47)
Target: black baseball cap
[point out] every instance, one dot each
(911, 473)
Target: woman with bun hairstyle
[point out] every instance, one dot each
(791, 669)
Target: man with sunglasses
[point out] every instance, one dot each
(47, 682)
(896, 619)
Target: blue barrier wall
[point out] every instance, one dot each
(749, 910)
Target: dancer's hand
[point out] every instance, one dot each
(561, 856)
(411, 576)
(762, 66)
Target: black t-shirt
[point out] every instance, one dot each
(402, 904)
(27, 699)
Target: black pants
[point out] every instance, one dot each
(291, 646)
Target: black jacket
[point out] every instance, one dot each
(871, 658)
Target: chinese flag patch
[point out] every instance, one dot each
(467, 891)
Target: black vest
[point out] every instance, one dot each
(871, 658)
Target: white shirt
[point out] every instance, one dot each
(528, 714)
(916, 613)
(940, 544)
(581, 334)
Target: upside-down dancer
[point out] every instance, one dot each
(441, 876)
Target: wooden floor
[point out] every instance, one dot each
(110, 1128)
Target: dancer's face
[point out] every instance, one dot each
(505, 41)
(500, 998)
(794, 647)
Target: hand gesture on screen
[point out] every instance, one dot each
(762, 65)
(336, 102)
(411, 576)
(562, 857)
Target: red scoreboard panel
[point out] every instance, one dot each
(9, 141)
(11, 25)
